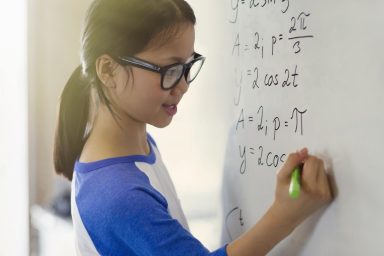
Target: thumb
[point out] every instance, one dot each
(294, 159)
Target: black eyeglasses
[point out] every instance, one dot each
(171, 74)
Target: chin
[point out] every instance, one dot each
(161, 124)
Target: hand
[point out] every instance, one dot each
(286, 213)
(315, 190)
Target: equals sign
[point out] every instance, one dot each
(243, 1)
(252, 151)
(246, 47)
(250, 118)
(249, 72)
(280, 37)
(286, 124)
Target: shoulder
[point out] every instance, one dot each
(115, 186)
(116, 212)
(108, 197)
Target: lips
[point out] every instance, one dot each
(170, 109)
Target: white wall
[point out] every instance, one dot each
(13, 130)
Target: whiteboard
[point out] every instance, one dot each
(307, 73)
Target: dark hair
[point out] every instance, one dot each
(116, 28)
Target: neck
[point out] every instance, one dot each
(115, 135)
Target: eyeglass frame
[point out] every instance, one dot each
(140, 63)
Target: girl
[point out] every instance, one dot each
(137, 61)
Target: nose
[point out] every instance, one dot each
(181, 87)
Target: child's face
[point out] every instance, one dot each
(142, 99)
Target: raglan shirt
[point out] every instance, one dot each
(128, 206)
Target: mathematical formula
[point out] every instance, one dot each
(297, 32)
(264, 157)
(263, 52)
(259, 123)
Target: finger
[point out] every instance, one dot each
(324, 186)
(310, 173)
(294, 159)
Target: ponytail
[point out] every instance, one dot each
(71, 124)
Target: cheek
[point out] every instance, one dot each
(143, 97)
(142, 93)
(144, 79)
(148, 87)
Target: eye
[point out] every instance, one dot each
(174, 71)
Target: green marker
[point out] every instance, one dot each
(294, 187)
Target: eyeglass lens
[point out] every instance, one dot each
(194, 71)
(174, 74)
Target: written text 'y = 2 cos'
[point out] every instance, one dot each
(264, 157)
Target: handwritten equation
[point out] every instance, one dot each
(265, 79)
(264, 157)
(296, 33)
(261, 50)
(273, 125)
(270, 39)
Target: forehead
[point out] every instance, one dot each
(178, 43)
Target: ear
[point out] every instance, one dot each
(105, 65)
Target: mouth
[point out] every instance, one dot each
(171, 109)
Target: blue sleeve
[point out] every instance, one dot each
(146, 228)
